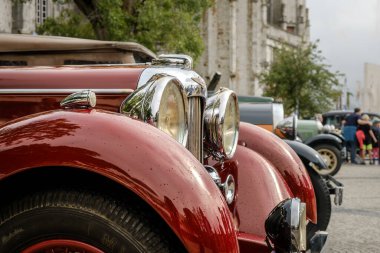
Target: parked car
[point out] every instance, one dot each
(335, 118)
(326, 140)
(271, 117)
(135, 157)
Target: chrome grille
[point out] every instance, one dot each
(195, 137)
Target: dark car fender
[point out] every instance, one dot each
(307, 153)
(132, 154)
(325, 139)
(284, 159)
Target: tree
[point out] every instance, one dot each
(301, 80)
(165, 25)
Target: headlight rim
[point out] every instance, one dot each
(215, 113)
(147, 108)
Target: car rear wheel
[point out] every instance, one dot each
(322, 195)
(81, 221)
(332, 157)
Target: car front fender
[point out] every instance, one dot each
(261, 188)
(307, 153)
(133, 154)
(284, 159)
(325, 139)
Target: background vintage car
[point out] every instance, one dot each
(270, 115)
(335, 118)
(83, 147)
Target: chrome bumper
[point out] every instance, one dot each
(343, 153)
(318, 242)
(335, 188)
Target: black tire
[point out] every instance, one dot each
(332, 157)
(322, 195)
(99, 220)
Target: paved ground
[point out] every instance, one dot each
(355, 226)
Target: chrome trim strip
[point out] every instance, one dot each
(64, 91)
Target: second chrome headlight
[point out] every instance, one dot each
(161, 102)
(221, 124)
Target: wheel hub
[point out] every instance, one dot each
(61, 246)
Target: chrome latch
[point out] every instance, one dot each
(81, 99)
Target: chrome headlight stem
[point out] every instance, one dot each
(161, 102)
(221, 124)
(228, 188)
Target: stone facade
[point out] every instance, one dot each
(19, 17)
(370, 91)
(241, 35)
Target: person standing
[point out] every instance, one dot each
(376, 131)
(367, 139)
(350, 124)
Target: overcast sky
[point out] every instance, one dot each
(349, 33)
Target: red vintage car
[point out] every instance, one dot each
(136, 158)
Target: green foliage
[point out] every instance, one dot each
(68, 24)
(162, 26)
(299, 78)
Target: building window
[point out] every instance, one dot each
(41, 9)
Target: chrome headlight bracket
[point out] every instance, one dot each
(228, 188)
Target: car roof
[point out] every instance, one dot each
(21, 43)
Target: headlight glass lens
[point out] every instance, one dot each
(172, 116)
(230, 127)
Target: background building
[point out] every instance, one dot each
(241, 36)
(25, 16)
(370, 91)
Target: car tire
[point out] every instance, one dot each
(322, 195)
(83, 221)
(332, 157)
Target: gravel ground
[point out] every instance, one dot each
(355, 226)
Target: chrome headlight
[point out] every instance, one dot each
(286, 226)
(287, 128)
(221, 124)
(161, 102)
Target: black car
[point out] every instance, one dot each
(335, 117)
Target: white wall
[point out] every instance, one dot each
(370, 93)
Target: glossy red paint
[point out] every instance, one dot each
(285, 160)
(16, 106)
(64, 77)
(13, 106)
(252, 243)
(174, 183)
(263, 187)
(61, 246)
